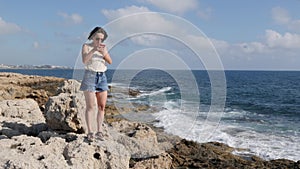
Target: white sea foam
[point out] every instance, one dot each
(267, 145)
(155, 92)
(117, 84)
(237, 128)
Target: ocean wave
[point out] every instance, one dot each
(155, 92)
(265, 144)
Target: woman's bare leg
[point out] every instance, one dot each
(101, 101)
(90, 107)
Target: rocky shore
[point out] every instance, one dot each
(42, 126)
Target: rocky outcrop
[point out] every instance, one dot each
(18, 86)
(65, 112)
(19, 117)
(26, 109)
(217, 155)
(55, 138)
(28, 140)
(139, 139)
(52, 149)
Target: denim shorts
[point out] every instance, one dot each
(94, 81)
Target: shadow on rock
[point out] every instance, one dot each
(11, 129)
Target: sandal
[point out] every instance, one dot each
(90, 137)
(99, 136)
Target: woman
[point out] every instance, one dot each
(94, 83)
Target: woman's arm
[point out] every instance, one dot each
(86, 54)
(106, 56)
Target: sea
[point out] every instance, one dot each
(259, 113)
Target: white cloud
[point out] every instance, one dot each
(160, 24)
(220, 45)
(72, 18)
(253, 47)
(159, 30)
(137, 22)
(140, 21)
(172, 6)
(8, 28)
(114, 14)
(275, 51)
(147, 40)
(281, 16)
(273, 44)
(288, 40)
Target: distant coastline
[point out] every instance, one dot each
(4, 66)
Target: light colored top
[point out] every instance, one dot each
(96, 63)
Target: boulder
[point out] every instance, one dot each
(105, 154)
(10, 127)
(65, 112)
(29, 152)
(26, 109)
(18, 117)
(139, 139)
(57, 151)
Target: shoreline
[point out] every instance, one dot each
(71, 68)
(178, 152)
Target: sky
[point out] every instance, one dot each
(194, 34)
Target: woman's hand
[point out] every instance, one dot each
(101, 48)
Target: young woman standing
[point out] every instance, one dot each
(94, 84)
